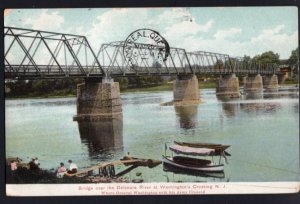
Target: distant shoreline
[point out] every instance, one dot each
(164, 87)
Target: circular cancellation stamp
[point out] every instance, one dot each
(145, 46)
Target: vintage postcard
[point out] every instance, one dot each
(151, 101)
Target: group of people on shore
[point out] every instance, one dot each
(61, 170)
(34, 165)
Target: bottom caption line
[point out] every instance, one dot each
(151, 189)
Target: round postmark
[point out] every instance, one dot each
(145, 47)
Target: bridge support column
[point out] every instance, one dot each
(99, 113)
(282, 78)
(186, 89)
(228, 86)
(270, 82)
(253, 83)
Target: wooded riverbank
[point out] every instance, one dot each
(71, 91)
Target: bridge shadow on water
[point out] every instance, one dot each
(102, 135)
(187, 116)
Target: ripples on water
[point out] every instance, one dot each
(262, 131)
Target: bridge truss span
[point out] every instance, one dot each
(144, 59)
(33, 54)
(42, 54)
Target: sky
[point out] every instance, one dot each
(236, 31)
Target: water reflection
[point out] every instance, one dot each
(41, 102)
(253, 106)
(296, 108)
(229, 108)
(253, 96)
(270, 95)
(101, 135)
(282, 94)
(187, 116)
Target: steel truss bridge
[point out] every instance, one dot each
(35, 54)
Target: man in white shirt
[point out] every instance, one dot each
(36, 161)
(73, 167)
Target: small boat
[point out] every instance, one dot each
(178, 149)
(218, 147)
(197, 151)
(176, 170)
(189, 163)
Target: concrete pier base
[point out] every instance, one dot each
(228, 86)
(270, 82)
(186, 89)
(99, 114)
(98, 100)
(253, 84)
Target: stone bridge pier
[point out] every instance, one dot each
(228, 86)
(282, 77)
(186, 89)
(253, 83)
(270, 82)
(99, 112)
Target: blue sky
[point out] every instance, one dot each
(237, 31)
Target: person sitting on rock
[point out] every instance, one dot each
(73, 167)
(60, 172)
(13, 165)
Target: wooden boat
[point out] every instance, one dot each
(189, 163)
(178, 149)
(197, 151)
(176, 170)
(218, 147)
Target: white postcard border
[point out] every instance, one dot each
(117, 189)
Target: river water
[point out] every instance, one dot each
(263, 133)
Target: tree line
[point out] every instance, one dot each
(68, 86)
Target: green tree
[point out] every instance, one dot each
(123, 81)
(267, 58)
(246, 59)
(294, 61)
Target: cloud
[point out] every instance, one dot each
(274, 39)
(169, 17)
(185, 28)
(269, 39)
(45, 21)
(115, 25)
(222, 34)
(10, 57)
(177, 33)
